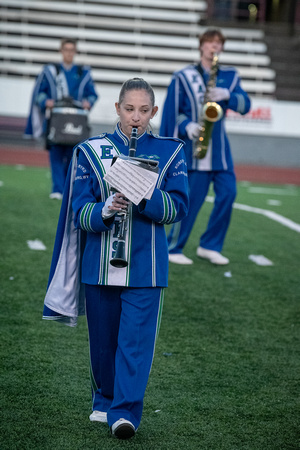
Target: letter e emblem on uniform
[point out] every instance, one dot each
(106, 152)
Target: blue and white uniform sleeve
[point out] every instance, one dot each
(170, 109)
(169, 202)
(45, 91)
(89, 92)
(239, 100)
(177, 111)
(87, 203)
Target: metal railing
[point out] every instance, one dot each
(237, 10)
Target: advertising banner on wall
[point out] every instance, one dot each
(267, 117)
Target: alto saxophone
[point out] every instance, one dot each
(211, 113)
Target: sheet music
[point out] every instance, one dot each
(133, 181)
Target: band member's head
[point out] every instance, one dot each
(136, 105)
(212, 40)
(68, 48)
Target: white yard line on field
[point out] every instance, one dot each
(264, 212)
(272, 191)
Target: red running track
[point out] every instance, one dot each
(13, 155)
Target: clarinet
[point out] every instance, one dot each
(119, 260)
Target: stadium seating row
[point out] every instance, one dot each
(121, 38)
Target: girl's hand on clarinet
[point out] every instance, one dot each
(119, 203)
(114, 203)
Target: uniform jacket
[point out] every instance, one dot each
(85, 243)
(54, 82)
(183, 104)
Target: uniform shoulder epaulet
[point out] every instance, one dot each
(85, 141)
(92, 138)
(227, 68)
(52, 68)
(183, 69)
(157, 136)
(86, 68)
(99, 136)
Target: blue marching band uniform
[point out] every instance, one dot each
(183, 105)
(56, 82)
(122, 326)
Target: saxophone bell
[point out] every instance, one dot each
(212, 112)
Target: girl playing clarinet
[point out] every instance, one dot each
(123, 304)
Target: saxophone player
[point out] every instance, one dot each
(182, 118)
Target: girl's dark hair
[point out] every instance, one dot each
(136, 84)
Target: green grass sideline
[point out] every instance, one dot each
(226, 368)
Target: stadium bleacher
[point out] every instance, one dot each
(121, 38)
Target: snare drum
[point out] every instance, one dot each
(67, 126)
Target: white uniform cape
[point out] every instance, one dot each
(65, 298)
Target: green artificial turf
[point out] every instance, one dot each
(226, 369)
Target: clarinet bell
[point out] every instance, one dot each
(119, 260)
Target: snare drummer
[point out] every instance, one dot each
(56, 82)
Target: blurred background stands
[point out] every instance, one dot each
(120, 39)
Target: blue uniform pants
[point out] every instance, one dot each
(60, 157)
(225, 192)
(123, 324)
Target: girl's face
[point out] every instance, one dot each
(135, 110)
